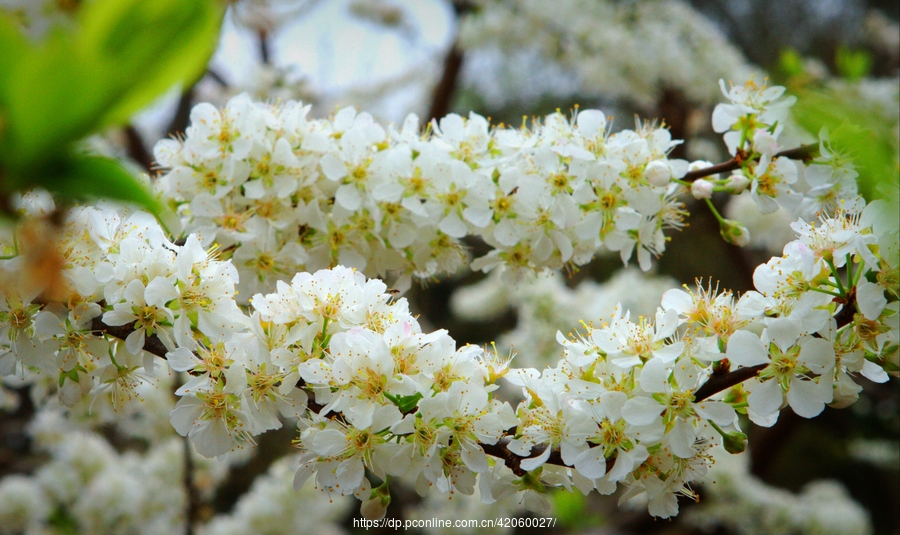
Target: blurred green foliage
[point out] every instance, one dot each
(573, 512)
(852, 65)
(116, 58)
(857, 129)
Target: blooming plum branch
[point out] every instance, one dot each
(267, 194)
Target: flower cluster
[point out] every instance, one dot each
(628, 403)
(543, 305)
(643, 51)
(752, 124)
(119, 271)
(272, 506)
(280, 192)
(92, 297)
(90, 487)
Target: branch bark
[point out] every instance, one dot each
(720, 383)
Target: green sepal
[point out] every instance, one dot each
(406, 404)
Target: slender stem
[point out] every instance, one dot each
(715, 212)
(820, 290)
(837, 277)
(850, 280)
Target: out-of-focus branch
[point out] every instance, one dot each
(265, 53)
(442, 97)
(675, 109)
(182, 116)
(192, 505)
(443, 92)
(137, 151)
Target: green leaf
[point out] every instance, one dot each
(573, 511)
(146, 46)
(13, 49)
(406, 404)
(853, 64)
(87, 177)
(122, 55)
(791, 62)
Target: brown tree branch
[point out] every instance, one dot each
(182, 116)
(803, 152)
(265, 52)
(719, 383)
(137, 151)
(152, 344)
(443, 93)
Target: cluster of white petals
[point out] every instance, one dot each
(543, 305)
(632, 402)
(642, 51)
(280, 192)
(87, 485)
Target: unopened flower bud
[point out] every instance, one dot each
(702, 189)
(765, 143)
(697, 165)
(735, 442)
(734, 232)
(658, 174)
(375, 507)
(737, 183)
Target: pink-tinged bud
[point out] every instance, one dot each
(734, 232)
(702, 189)
(737, 183)
(658, 174)
(765, 143)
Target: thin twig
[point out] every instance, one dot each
(265, 54)
(803, 152)
(719, 383)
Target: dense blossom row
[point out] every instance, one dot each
(620, 407)
(280, 192)
(628, 404)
